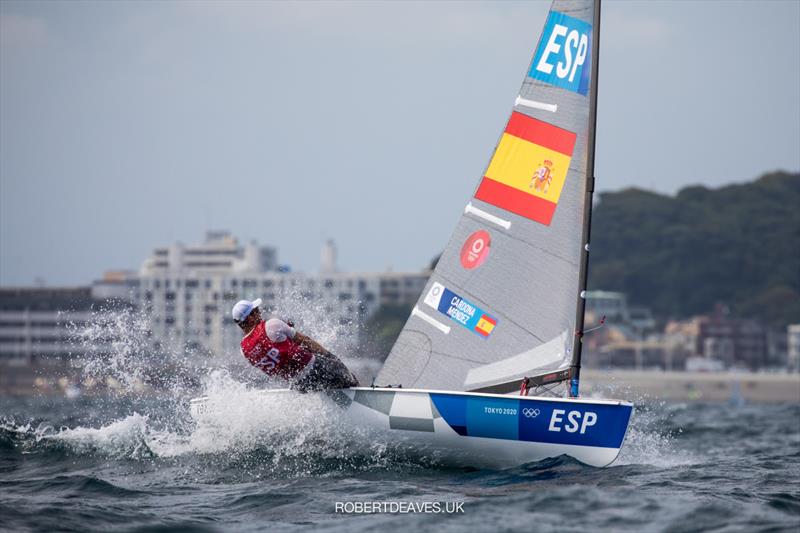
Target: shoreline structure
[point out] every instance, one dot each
(737, 387)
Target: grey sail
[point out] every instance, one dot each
(503, 301)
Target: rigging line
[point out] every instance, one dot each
(408, 344)
(548, 390)
(550, 387)
(462, 358)
(452, 283)
(538, 248)
(470, 209)
(546, 252)
(458, 358)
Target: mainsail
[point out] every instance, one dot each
(504, 300)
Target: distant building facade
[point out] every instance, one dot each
(793, 347)
(220, 253)
(624, 340)
(735, 342)
(614, 306)
(39, 328)
(193, 309)
(184, 294)
(188, 292)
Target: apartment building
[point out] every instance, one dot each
(188, 292)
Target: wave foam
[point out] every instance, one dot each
(647, 443)
(295, 433)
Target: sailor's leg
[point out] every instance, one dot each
(328, 372)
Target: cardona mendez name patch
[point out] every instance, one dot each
(460, 310)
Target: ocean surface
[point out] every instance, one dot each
(140, 463)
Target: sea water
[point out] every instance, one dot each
(139, 462)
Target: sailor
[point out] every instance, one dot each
(278, 350)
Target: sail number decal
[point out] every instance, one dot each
(460, 310)
(564, 54)
(573, 421)
(558, 422)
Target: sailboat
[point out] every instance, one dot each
(487, 366)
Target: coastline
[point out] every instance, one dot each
(637, 385)
(735, 387)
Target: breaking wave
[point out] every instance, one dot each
(294, 434)
(290, 433)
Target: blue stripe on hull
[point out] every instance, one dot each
(581, 424)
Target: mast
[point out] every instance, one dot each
(577, 343)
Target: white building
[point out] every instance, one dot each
(220, 253)
(188, 291)
(43, 327)
(185, 295)
(793, 347)
(328, 258)
(612, 305)
(193, 310)
(37, 325)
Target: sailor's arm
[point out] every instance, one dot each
(278, 331)
(309, 343)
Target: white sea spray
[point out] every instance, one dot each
(124, 358)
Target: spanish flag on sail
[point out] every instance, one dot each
(528, 169)
(485, 325)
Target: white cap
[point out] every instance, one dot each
(243, 308)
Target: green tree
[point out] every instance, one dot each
(738, 245)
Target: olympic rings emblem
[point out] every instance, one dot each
(530, 413)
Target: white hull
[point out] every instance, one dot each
(475, 429)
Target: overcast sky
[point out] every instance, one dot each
(126, 126)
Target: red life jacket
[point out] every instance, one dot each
(286, 359)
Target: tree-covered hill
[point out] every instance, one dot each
(679, 255)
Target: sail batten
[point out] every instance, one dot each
(507, 284)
